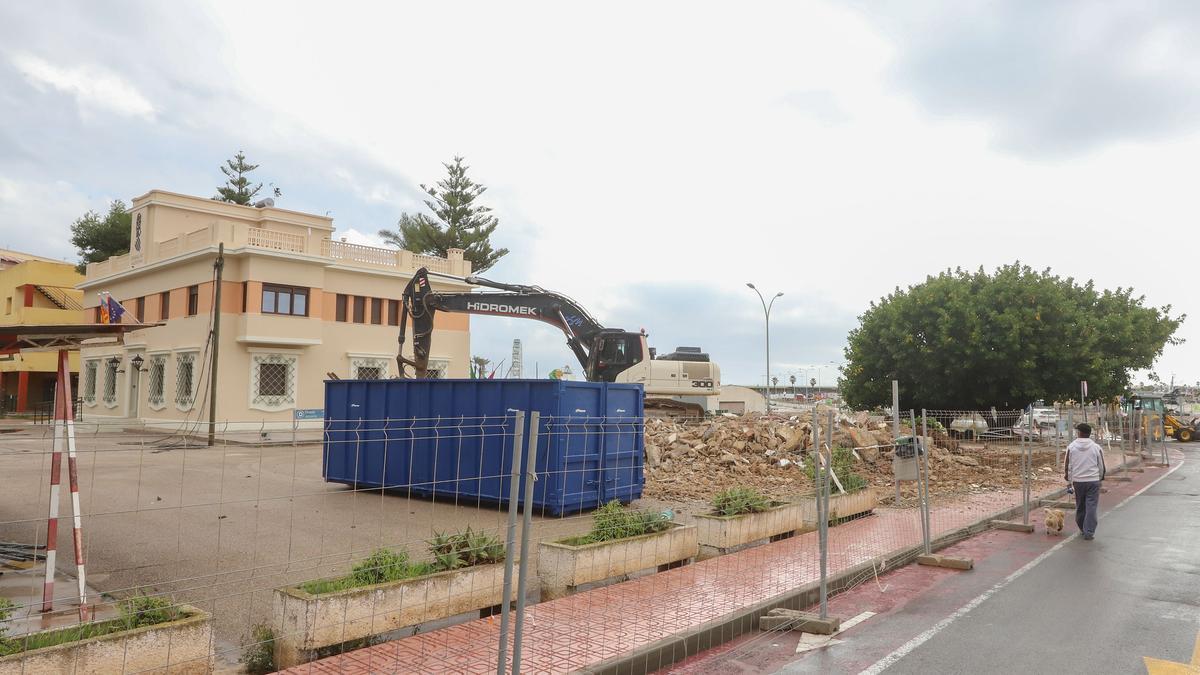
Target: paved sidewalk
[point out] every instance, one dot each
(585, 629)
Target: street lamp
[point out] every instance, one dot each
(767, 315)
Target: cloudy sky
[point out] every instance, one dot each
(649, 159)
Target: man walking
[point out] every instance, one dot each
(1085, 469)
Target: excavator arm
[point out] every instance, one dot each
(421, 303)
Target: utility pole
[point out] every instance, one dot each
(219, 266)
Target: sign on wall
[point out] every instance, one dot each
(310, 413)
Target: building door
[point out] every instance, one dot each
(134, 377)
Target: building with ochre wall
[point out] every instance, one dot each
(35, 291)
(296, 304)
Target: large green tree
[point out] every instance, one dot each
(458, 221)
(973, 340)
(238, 189)
(101, 237)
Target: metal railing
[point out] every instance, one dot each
(43, 412)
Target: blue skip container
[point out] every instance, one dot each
(453, 439)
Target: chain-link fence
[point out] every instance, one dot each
(615, 539)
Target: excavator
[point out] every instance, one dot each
(606, 354)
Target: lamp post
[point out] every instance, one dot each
(767, 315)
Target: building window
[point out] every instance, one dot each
(360, 309)
(377, 310)
(393, 312)
(369, 368)
(140, 309)
(438, 368)
(164, 305)
(193, 300)
(158, 381)
(185, 384)
(110, 382)
(284, 300)
(272, 381)
(245, 296)
(89, 382)
(339, 313)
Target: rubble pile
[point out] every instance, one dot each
(693, 461)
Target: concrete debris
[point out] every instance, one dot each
(692, 461)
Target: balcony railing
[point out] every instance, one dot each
(275, 240)
(286, 242)
(372, 255)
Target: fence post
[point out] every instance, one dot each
(822, 472)
(895, 432)
(526, 535)
(510, 542)
(921, 503)
(1025, 461)
(1162, 437)
(928, 525)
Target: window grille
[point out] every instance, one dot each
(273, 381)
(158, 376)
(185, 385)
(369, 369)
(110, 383)
(89, 382)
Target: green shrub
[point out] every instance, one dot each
(258, 657)
(148, 610)
(739, 500)
(465, 549)
(450, 552)
(931, 423)
(7, 646)
(843, 467)
(614, 521)
(380, 567)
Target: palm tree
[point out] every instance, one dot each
(792, 379)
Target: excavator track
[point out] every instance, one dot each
(671, 409)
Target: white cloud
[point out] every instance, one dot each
(690, 150)
(353, 236)
(36, 217)
(92, 87)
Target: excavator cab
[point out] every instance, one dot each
(613, 352)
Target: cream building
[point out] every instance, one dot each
(296, 304)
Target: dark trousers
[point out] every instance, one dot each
(1087, 506)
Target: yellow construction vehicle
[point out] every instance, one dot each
(1180, 430)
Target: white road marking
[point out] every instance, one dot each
(907, 648)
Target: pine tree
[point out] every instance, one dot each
(237, 188)
(458, 222)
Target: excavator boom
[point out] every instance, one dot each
(420, 303)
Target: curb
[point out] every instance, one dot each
(676, 648)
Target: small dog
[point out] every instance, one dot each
(1054, 521)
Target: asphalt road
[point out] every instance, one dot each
(1087, 606)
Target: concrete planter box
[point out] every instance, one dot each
(183, 646)
(842, 506)
(305, 623)
(562, 567)
(720, 534)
